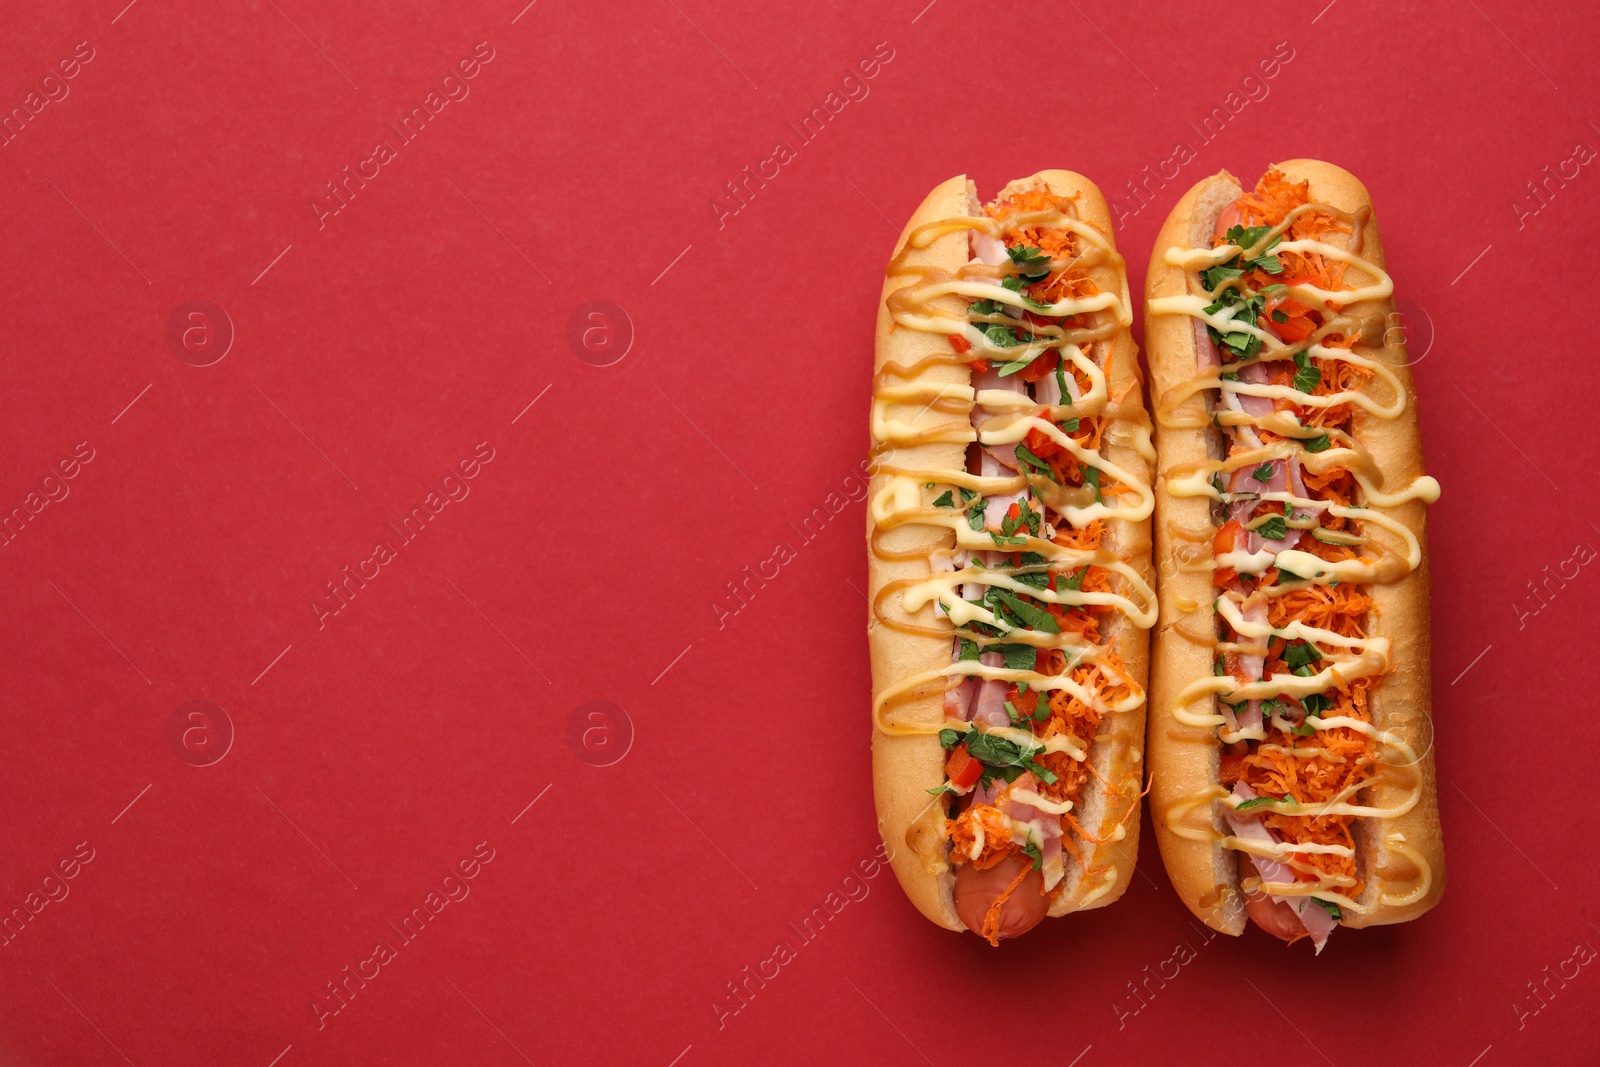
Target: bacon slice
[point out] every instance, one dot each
(995, 507)
(1047, 391)
(1010, 383)
(958, 701)
(989, 705)
(1206, 355)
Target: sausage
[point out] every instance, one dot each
(1226, 221)
(976, 891)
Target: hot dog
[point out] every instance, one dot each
(1008, 557)
(1291, 762)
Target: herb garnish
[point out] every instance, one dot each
(1258, 801)
(1000, 756)
(1306, 376)
(1330, 907)
(1247, 309)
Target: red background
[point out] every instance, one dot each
(373, 752)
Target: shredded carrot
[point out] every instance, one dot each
(1072, 717)
(1314, 781)
(1335, 485)
(1084, 618)
(1342, 608)
(1056, 242)
(1275, 196)
(997, 844)
(1088, 537)
(1066, 467)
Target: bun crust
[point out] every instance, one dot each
(905, 767)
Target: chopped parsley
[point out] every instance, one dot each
(1330, 907)
(1301, 656)
(1247, 236)
(1219, 276)
(945, 500)
(1320, 443)
(1258, 801)
(1025, 519)
(1015, 285)
(1238, 339)
(975, 514)
(1017, 657)
(1247, 308)
(1262, 473)
(1274, 529)
(1000, 756)
(1037, 579)
(1025, 455)
(1033, 263)
(1001, 336)
(1018, 613)
(1306, 376)
(1315, 704)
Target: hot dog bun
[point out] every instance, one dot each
(1398, 854)
(918, 440)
